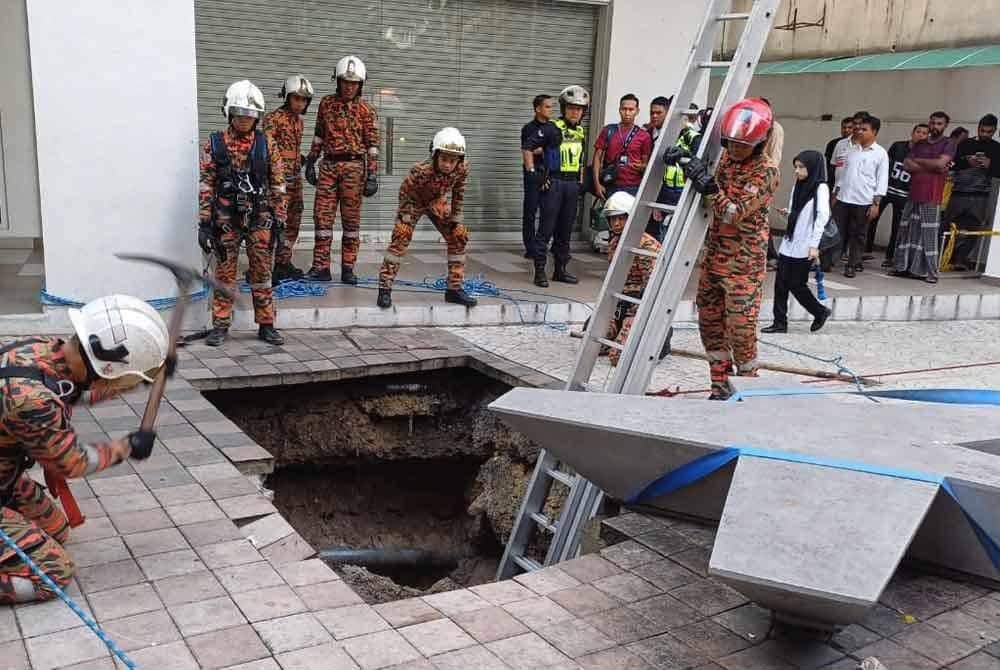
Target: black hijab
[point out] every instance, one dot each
(805, 189)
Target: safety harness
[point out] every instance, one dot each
(245, 189)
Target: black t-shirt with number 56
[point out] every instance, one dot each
(899, 179)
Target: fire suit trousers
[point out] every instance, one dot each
(38, 527)
(339, 183)
(728, 306)
(455, 235)
(260, 254)
(293, 204)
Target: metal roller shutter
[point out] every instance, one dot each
(474, 64)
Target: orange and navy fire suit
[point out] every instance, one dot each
(284, 128)
(733, 267)
(345, 132)
(35, 425)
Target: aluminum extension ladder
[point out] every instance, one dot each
(656, 309)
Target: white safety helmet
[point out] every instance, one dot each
(574, 95)
(351, 68)
(297, 85)
(620, 202)
(121, 336)
(243, 99)
(449, 140)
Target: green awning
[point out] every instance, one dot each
(933, 59)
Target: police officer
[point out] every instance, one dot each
(562, 144)
(686, 146)
(535, 172)
(242, 198)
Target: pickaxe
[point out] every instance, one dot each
(186, 276)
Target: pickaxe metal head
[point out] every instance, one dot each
(184, 274)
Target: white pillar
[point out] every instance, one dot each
(993, 259)
(117, 132)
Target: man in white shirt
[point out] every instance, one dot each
(861, 185)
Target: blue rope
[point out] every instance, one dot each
(160, 304)
(820, 288)
(9, 541)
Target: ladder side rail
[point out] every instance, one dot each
(534, 500)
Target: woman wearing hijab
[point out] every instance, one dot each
(808, 212)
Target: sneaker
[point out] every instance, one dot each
(775, 328)
(384, 298)
(315, 274)
(216, 337)
(859, 267)
(268, 333)
(347, 276)
(460, 297)
(820, 320)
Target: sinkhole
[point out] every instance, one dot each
(407, 483)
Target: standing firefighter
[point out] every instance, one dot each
(346, 134)
(425, 191)
(562, 147)
(734, 261)
(242, 198)
(283, 128)
(118, 342)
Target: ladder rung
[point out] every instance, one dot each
(561, 477)
(643, 252)
(543, 521)
(662, 207)
(707, 65)
(733, 17)
(627, 298)
(527, 564)
(610, 343)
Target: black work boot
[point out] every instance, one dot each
(347, 276)
(285, 272)
(270, 334)
(216, 337)
(561, 275)
(775, 328)
(315, 274)
(460, 297)
(540, 279)
(384, 298)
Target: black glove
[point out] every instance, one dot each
(311, 169)
(696, 172)
(170, 365)
(205, 238)
(141, 444)
(371, 185)
(673, 155)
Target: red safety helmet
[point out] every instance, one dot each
(748, 121)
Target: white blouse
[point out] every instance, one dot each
(808, 231)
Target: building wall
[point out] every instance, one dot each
(854, 27)
(117, 129)
(19, 216)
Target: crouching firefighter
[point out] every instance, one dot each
(734, 261)
(425, 192)
(242, 199)
(617, 209)
(119, 341)
(283, 128)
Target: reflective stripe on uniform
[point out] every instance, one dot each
(392, 258)
(750, 366)
(719, 355)
(352, 234)
(324, 234)
(260, 286)
(456, 258)
(571, 148)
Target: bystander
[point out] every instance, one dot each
(846, 128)
(977, 162)
(862, 185)
(624, 149)
(898, 191)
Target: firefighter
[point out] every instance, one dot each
(118, 341)
(347, 138)
(425, 192)
(734, 261)
(242, 199)
(283, 127)
(562, 144)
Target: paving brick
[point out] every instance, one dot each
(884, 621)
(269, 603)
(124, 601)
(489, 624)
(312, 571)
(232, 487)
(752, 622)
(209, 473)
(109, 575)
(804, 652)
(629, 554)
(248, 577)
(223, 648)
(709, 597)
(14, 656)
(538, 612)
(247, 453)
(201, 457)
(225, 554)
(96, 664)
(665, 541)
(584, 599)
(190, 588)
(210, 532)
(501, 593)
(8, 625)
(328, 595)
(763, 657)
(380, 650)
(160, 566)
(454, 602)
(618, 658)
(292, 632)
(978, 661)
(267, 530)
(245, 506)
(96, 528)
(166, 477)
(206, 615)
(130, 502)
(476, 657)
(64, 648)
(436, 637)
(666, 612)
(526, 652)
(96, 552)
(589, 568)
(575, 638)
(351, 621)
(138, 522)
(180, 445)
(196, 512)
(47, 617)
(170, 656)
(927, 596)
(626, 587)
(633, 523)
(290, 549)
(694, 559)
(155, 542)
(181, 495)
(709, 638)
(624, 625)
(665, 574)
(962, 625)
(323, 657)
(262, 664)
(408, 612)
(142, 630)
(932, 643)
(547, 580)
